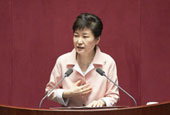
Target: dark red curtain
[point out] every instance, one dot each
(33, 33)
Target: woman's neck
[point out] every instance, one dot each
(85, 60)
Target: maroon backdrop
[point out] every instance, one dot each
(33, 33)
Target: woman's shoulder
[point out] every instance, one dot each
(64, 56)
(107, 57)
(104, 55)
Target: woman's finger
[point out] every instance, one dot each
(78, 83)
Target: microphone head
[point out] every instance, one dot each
(69, 71)
(101, 72)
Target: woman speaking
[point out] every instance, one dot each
(85, 87)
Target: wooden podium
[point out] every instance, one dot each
(157, 109)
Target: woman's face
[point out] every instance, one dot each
(84, 41)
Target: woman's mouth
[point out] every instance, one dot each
(79, 47)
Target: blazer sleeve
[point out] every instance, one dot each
(55, 77)
(112, 92)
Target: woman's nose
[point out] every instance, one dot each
(80, 41)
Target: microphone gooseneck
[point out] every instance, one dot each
(102, 73)
(69, 71)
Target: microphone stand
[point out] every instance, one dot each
(50, 91)
(122, 90)
(66, 75)
(102, 73)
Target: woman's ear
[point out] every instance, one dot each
(97, 40)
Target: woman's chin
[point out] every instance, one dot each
(80, 51)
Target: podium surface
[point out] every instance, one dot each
(157, 109)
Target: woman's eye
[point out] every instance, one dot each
(85, 36)
(75, 35)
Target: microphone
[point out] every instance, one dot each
(68, 72)
(102, 73)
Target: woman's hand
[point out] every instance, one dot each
(77, 90)
(99, 103)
